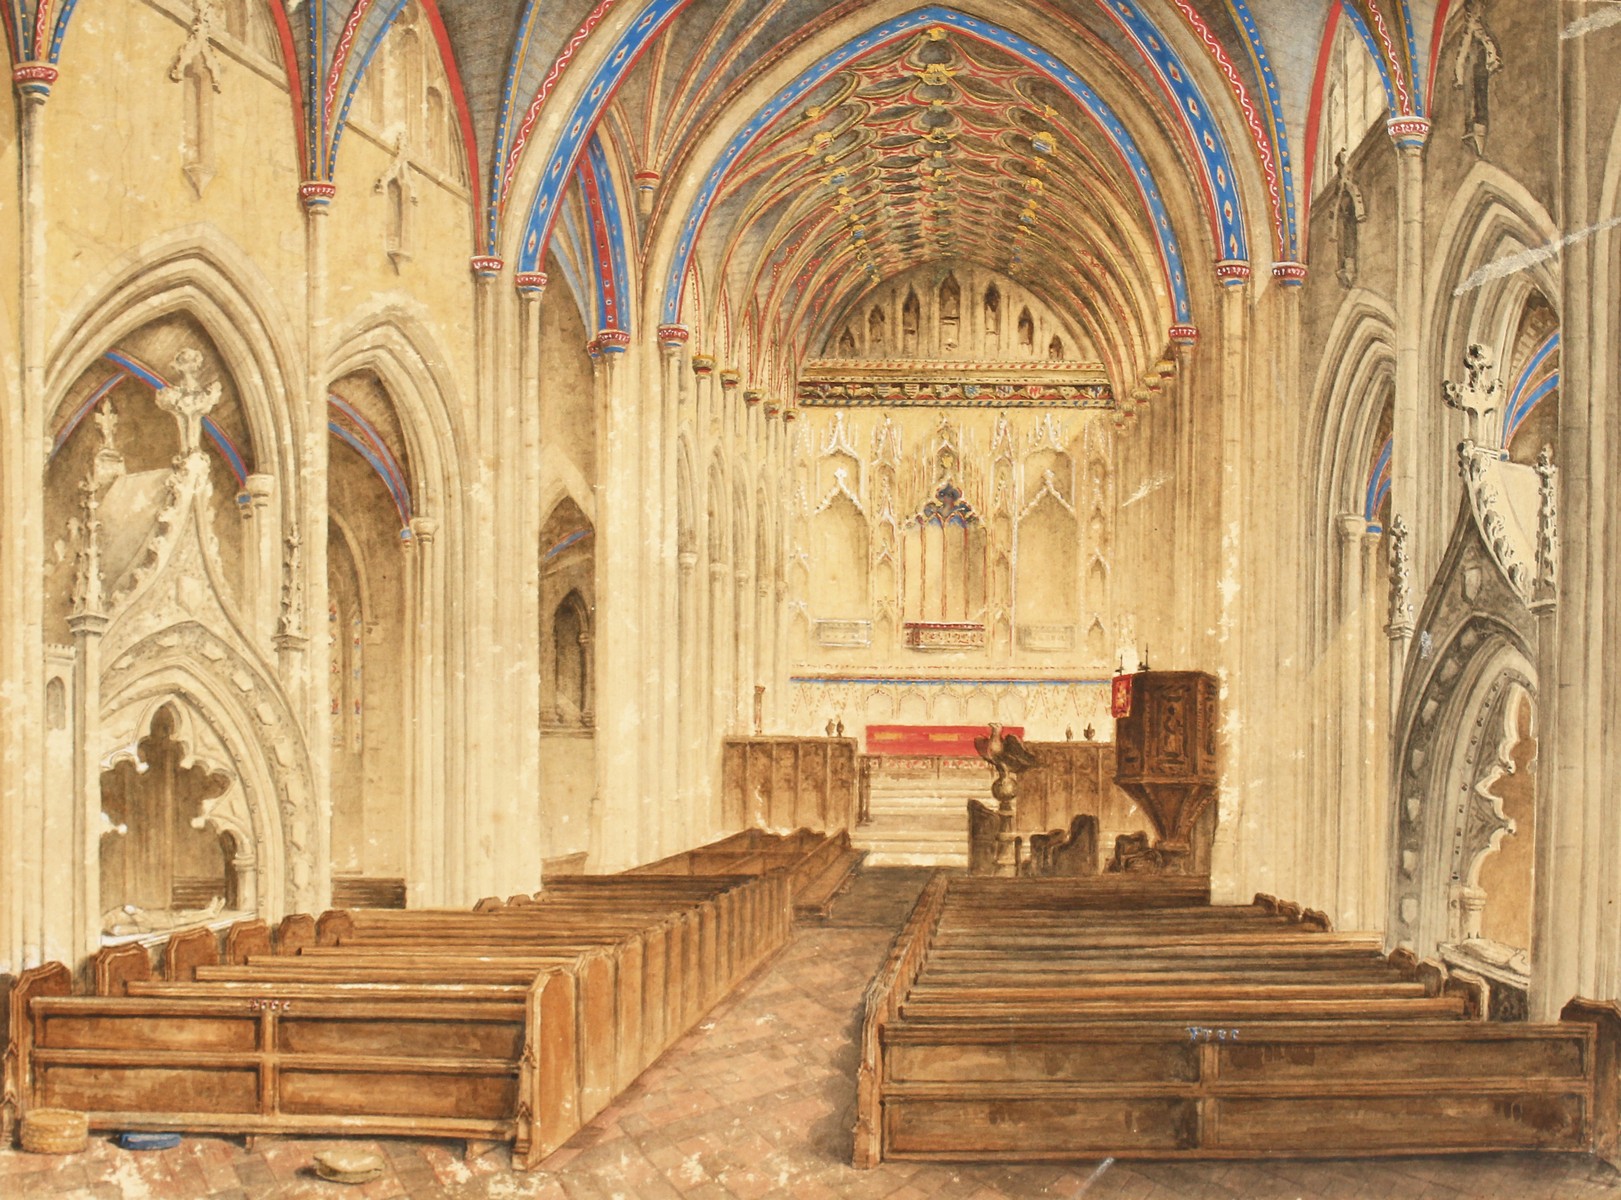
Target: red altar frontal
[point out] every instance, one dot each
(939, 741)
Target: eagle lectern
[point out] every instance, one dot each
(1165, 738)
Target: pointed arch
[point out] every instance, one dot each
(201, 273)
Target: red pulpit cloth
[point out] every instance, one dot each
(1120, 697)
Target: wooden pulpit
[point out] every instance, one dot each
(1165, 736)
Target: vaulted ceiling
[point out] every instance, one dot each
(784, 155)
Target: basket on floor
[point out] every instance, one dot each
(55, 1131)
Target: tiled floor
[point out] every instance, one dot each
(759, 1102)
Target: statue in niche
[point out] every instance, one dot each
(1349, 212)
(1479, 58)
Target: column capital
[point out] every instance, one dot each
(485, 266)
(1409, 133)
(317, 194)
(1184, 335)
(673, 337)
(703, 365)
(730, 377)
(531, 285)
(1232, 272)
(259, 488)
(773, 410)
(1290, 274)
(34, 79)
(752, 397)
(424, 529)
(613, 341)
(687, 560)
(790, 415)
(1352, 527)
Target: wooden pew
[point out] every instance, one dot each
(819, 865)
(515, 1024)
(1011, 1023)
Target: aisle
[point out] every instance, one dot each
(759, 1102)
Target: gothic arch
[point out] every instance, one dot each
(1446, 757)
(244, 709)
(203, 274)
(1357, 370)
(686, 505)
(1475, 629)
(1492, 218)
(402, 353)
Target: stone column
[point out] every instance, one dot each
(1281, 499)
(622, 614)
(87, 623)
(261, 543)
(430, 833)
(1340, 831)
(22, 550)
(317, 196)
(1407, 491)
(1375, 744)
(1228, 584)
(730, 664)
(414, 722)
(705, 680)
(472, 851)
(1553, 955)
(1186, 546)
(785, 487)
(689, 704)
(672, 794)
(1579, 908)
(1399, 634)
(532, 791)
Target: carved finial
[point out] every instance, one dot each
(189, 401)
(1400, 624)
(106, 420)
(108, 464)
(89, 595)
(292, 586)
(1545, 588)
(1476, 398)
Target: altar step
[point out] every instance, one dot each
(914, 831)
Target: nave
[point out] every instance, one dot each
(760, 1101)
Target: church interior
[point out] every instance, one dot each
(535, 529)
